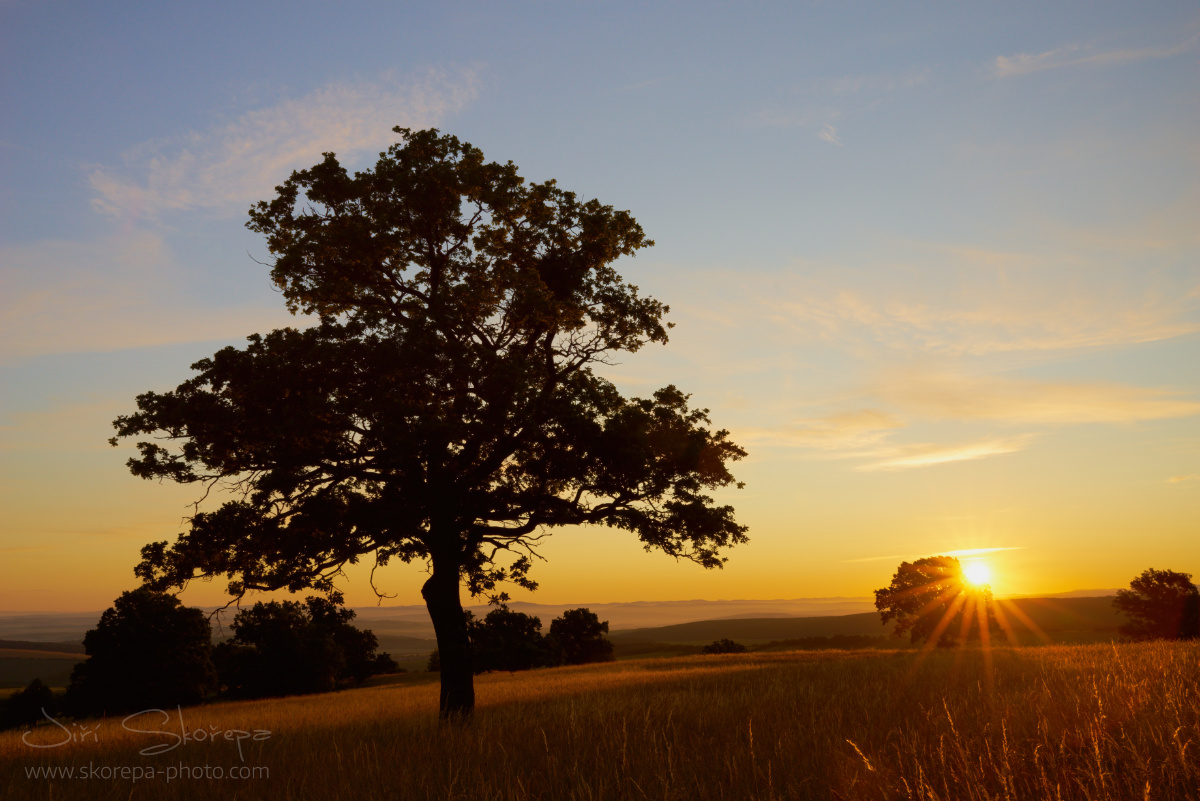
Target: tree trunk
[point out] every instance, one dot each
(457, 699)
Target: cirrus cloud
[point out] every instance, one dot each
(951, 396)
(228, 166)
(1075, 55)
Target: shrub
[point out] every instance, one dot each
(25, 707)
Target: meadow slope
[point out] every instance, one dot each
(1070, 722)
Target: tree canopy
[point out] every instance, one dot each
(288, 648)
(147, 651)
(932, 600)
(1160, 604)
(507, 640)
(578, 637)
(444, 407)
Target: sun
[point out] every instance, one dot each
(977, 574)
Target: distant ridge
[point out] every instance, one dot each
(1053, 619)
(412, 620)
(1069, 594)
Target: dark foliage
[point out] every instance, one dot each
(357, 646)
(26, 707)
(289, 648)
(148, 651)
(578, 637)
(507, 640)
(383, 664)
(724, 646)
(445, 409)
(1160, 604)
(929, 600)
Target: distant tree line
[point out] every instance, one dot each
(505, 639)
(150, 651)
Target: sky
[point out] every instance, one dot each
(935, 266)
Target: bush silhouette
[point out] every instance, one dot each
(506, 640)
(289, 648)
(1160, 604)
(724, 646)
(148, 651)
(577, 638)
(25, 707)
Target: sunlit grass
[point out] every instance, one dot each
(1076, 722)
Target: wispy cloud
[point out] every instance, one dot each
(847, 431)
(928, 455)
(971, 301)
(1075, 55)
(868, 434)
(229, 166)
(829, 134)
(1181, 479)
(951, 396)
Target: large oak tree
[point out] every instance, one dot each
(444, 407)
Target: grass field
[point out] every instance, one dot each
(1071, 722)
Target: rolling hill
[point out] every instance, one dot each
(1058, 619)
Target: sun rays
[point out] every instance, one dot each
(957, 607)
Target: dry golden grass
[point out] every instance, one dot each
(1071, 722)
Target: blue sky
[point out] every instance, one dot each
(936, 267)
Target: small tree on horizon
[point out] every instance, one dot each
(1160, 604)
(577, 637)
(507, 640)
(932, 599)
(444, 409)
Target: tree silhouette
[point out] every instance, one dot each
(724, 646)
(147, 651)
(275, 651)
(577, 638)
(289, 648)
(507, 640)
(357, 646)
(932, 599)
(27, 707)
(445, 408)
(1160, 604)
